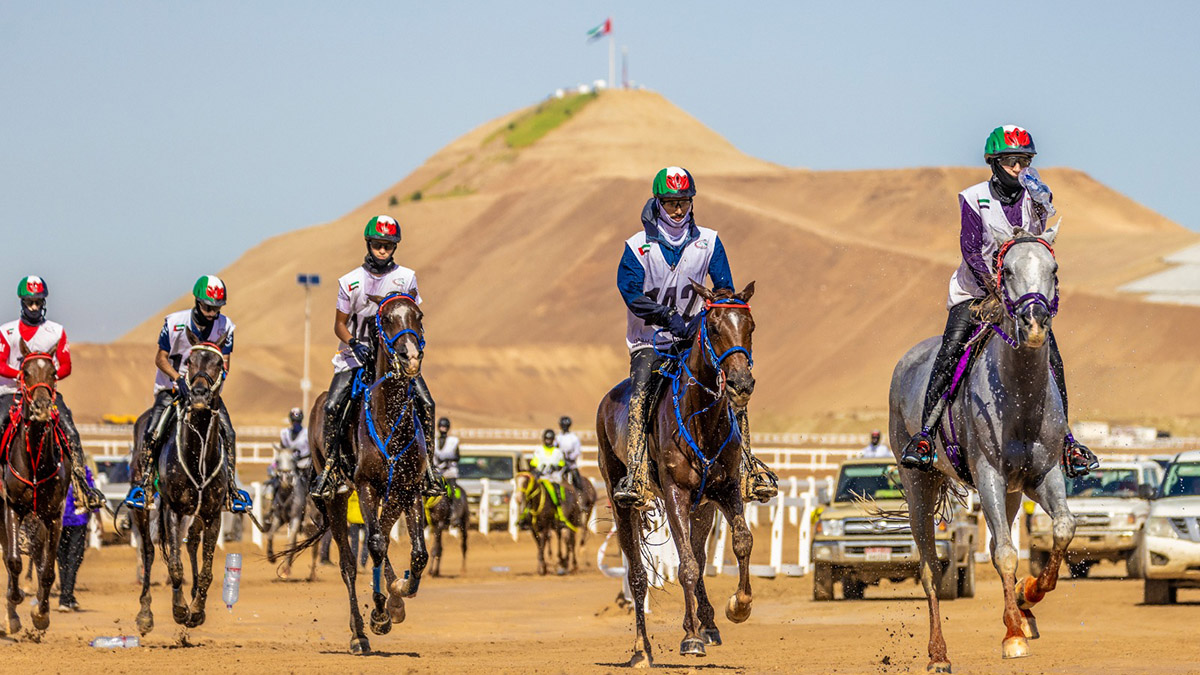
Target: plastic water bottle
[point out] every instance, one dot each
(233, 577)
(1038, 191)
(116, 641)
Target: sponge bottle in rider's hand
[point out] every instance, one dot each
(1038, 191)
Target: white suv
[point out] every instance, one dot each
(1170, 544)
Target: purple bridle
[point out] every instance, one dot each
(1015, 306)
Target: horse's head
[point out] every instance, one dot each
(206, 372)
(38, 377)
(1027, 280)
(726, 328)
(400, 333)
(523, 484)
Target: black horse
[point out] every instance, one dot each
(443, 513)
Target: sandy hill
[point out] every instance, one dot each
(517, 247)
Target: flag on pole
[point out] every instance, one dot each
(600, 31)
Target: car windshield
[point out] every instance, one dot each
(1104, 483)
(114, 471)
(1183, 479)
(490, 467)
(868, 481)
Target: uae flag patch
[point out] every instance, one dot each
(643, 249)
(353, 286)
(984, 203)
(177, 327)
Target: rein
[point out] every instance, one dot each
(182, 419)
(539, 486)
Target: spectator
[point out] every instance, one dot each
(71, 546)
(876, 448)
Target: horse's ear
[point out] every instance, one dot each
(220, 342)
(702, 291)
(192, 338)
(24, 349)
(375, 298)
(1052, 233)
(746, 293)
(1000, 234)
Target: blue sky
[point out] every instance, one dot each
(146, 143)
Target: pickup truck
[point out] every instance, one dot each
(1169, 546)
(499, 467)
(853, 546)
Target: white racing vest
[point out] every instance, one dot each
(963, 285)
(175, 324)
(45, 340)
(666, 285)
(353, 289)
(568, 442)
(445, 458)
(298, 446)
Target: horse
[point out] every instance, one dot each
(389, 470)
(1006, 429)
(192, 487)
(551, 508)
(37, 471)
(288, 507)
(586, 496)
(442, 513)
(694, 445)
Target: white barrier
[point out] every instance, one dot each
(485, 505)
(513, 514)
(255, 535)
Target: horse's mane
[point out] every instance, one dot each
(722, 293)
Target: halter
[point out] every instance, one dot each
(27, 390)
(390, 342)
(1013, 308)
(210, 347)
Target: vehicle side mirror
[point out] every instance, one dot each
(1146, 491)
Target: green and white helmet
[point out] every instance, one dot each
(32, 288)
(383, 228)
(210, 290)
(1008, 140)
(674, 182)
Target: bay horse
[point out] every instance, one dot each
(442, 513)
(551, 508)
(36, 473)
(391, 457)
(1005, 434)
(288, 507)
(192, 487)
(694, 445)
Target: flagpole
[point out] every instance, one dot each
(612, 61)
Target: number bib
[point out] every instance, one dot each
(671, 286)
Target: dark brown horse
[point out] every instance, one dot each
(37, 470)
(694, 446)
(551, 508)
(192, 487)
(443, 513)
(391, 457)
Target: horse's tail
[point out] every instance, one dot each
(949, 494)
(310, 541)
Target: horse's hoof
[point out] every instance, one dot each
(195, 619)
(41, 620)
(641, 660)
(360, 646)
(180, 614)
(711, 636)
(381, 623)
(691, 647)
(1015, 647)
(561, 571)
(395, 608)
(1029, 625)
(14, 624)
(735, 611)
(938, 667)
(145, 622)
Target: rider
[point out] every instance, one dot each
(657, 269)
(48, 337)
(295, 439)
(445, 455)
(354, 326)
(1008, 150)
(547, 461)
(876, 448)
(207, 322)
(572, 450)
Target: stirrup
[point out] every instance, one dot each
(433, 486)
(239, 501)
(919, 452)
(763, 485)
(136, 499)
(324, 485)
(629, 494)
(1078, 459)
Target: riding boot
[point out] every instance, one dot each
(1078, 459)
(331, 481)
(239, 500)
(633, 490)
(759, 483)
(920, 452)
(423, 406)
(91, 497)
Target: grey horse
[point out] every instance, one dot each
(288, 507)
(1009, 421)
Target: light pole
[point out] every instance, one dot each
(307, 281)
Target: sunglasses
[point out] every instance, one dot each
(672, 204)
(1016, 160)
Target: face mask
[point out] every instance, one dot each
(202, 322)
(32, 317)
(1008, 188)
(375, 265)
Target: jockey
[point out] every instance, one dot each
(657, 268)
(206, 322)
(295, 438)
(445, 453)
(547, 461)
(47, 337)
(354, 326)
(1008, 150)
(572, 450)
(876, 449)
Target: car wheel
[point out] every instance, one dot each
(1038, 561)
(852, 589)
(966, 579)
(1158, 592)
(1080, 570)
(822, 582)
(947, 588)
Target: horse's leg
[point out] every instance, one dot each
(994, 502)
(702, 525)
(629, 534)
(415, 519)
(730, 503)
(269, 535)
(172, 528)
(436, 524)
(51, 534)
(395, 598)
(464, 524)
(1051, 496)
(203, 581)
(12, 560)
(376, 543)
(921, 490)
(194, 536)
(145, 618)
(540, 537)
(678, 506)
(336, 517)
(297, 522)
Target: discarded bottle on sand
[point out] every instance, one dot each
(1038, 191)
(233, 577)
(115, 641)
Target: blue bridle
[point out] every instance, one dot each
(389, 343)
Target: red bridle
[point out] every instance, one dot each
(1004, 251)
(27, 390)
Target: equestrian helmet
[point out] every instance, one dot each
(382, 228)
(210, 290)
(548, 437)
(674, 182)
(32, 288)
(564, 422)
(444, 423)
(1008, 140)
(296, 415)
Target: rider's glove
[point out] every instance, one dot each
(677, 325)
(361, 351)
(181, 386)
